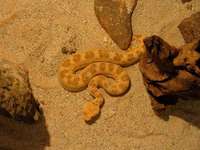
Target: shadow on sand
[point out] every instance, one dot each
(189, 110)
(15, 135)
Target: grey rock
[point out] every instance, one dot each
(16, 98)
(115, 17)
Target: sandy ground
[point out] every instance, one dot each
(34, 34)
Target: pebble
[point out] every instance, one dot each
(68, 50)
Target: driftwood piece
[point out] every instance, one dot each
(16, 98)
(169, 72)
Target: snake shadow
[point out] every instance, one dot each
(186, 109)
(17, 135)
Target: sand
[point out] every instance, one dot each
(33, 35)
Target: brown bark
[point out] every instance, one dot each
(169, 72)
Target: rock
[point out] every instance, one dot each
(115, 17)
(70, 47)
(68, 50)
(185, 1)
(190, 27)
(172, 72)
(16, 98)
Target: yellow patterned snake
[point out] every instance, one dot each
(93, 68)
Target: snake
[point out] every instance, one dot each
(95, 69)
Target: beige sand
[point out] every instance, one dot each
(34, 36)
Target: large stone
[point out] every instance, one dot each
(115, 17)
(190, 27)
(16, 98)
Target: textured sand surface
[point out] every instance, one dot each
(33, 35)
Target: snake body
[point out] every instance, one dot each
(94, 69)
